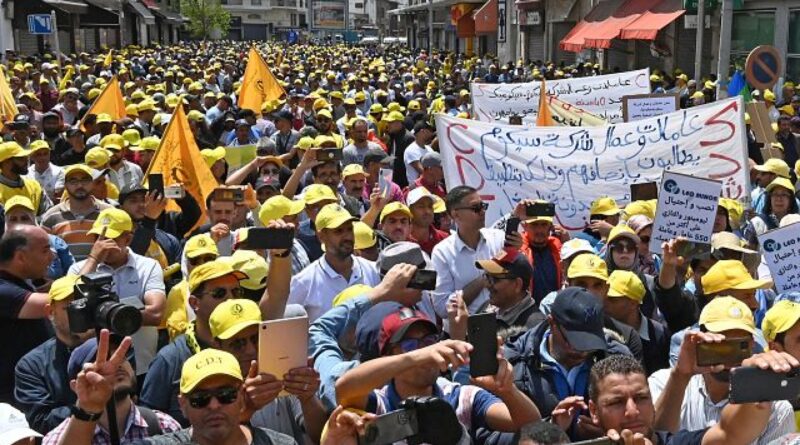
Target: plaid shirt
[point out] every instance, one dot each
(135, 429)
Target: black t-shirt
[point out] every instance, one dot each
(18, 336)
(682, 437)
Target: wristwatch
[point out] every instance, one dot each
(85, 416)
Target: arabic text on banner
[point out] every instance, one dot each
(687, 206)
(571, 166)
(781, 248)
(599, 95)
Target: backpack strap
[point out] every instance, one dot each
(153, 425)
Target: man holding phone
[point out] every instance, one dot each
(692, 397)
(411, 359)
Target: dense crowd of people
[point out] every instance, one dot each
(596, 335)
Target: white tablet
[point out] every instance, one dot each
(282, 345)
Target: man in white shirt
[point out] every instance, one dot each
(454, 257)
(317, 285)
(692, 397)
(51, 177)
(423, 134)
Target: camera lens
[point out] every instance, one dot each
(119, 318)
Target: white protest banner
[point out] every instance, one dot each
(599, 95)
(569, 115)
(571, 166)
(687, 207)
(781, 248)
(640, 106)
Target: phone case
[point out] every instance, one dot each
(267, 238)
(423, 280)
(482, 334)
(750, 385)
(155, 182)
(730, 352)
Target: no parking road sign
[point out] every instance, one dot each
(763, 67)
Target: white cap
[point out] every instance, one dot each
(575, 246)
(418, 193)
(13, 426)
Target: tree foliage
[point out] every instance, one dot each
(206, 16)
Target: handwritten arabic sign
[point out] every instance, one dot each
(571, 166)
(567, 114)
(781, 248)
(687, 206)
(599, 95)
(640, 106)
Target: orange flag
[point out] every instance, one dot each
(109, 101)
(178, 159)
(258, 83)
(545, 116)
(8, 107)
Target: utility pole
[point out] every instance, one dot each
(698, 54)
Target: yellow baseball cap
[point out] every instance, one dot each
(132, 110)
(79, 168)
(775, 166)
(352, 170)
(646, 208)
(324, 113)
(279, 206)
(360, 96)
(414, 105)
(132, 137)
(769, 95)
(37, 145)
(232, 317)
(211, 270)
(780, 182)
(212, 155)
(12, 149)
(332, 216)
(622, 231)
(439, 206)
(305, 142)
(350, 293)
(393, 207)
(113, 141)
(63, 287)
(19, 201)
(199, 245)
(624, 283)
(780, 318)
(208, 363)
(588, 265)
(730, 274)
(727, 313)
(375, 109)
(251, 264)
(364, 236)
(315, 193)
(605, 206)
(395, 116)
(195, 116)
(97, 157)
(104, 118)
(114, 221)
(149, 143)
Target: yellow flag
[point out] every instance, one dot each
(109, 101)
(178, 159)
(258, 84)
(566, 114)
(67, 77)
(279, 61)
(8, 107)
(545, 117)
(109, 58)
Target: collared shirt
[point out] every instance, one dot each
(135, 429)
(455, 263)
(51, 179)
(567, 382)
(698, 411)
(435, 236)
(132, 280)
(316, 285)
(644, 328)
(128, 176)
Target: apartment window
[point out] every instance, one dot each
(294, 20)
(793, 56)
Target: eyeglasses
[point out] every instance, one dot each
(492, 279)
(477, 208)
(412, 344)
(240, 344)
(225, 395)
(220, 292)
(624, 246)
(201, 260)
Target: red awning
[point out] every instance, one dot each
(646, 27)
(486, 18)
(622, 17)
(150, 4)
(575, 39)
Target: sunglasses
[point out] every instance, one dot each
(477, 208)
(625, 247)
(271, 171)
(225, 396)
(492, 279)
(220, 292)
(412, 344)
